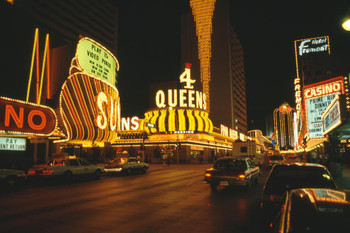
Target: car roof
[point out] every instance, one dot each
(297, 164)
(322, 197)
(234, 157)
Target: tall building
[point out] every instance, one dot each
(283, 125)
(227, 87)
(66, 20)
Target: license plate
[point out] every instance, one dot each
(224, 183)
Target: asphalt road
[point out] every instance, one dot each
(166, 199)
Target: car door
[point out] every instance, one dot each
(86, 167)
(253, 169)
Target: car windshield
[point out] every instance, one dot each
(284, 178)
(118, 161)
(230, 164)
(56, 162)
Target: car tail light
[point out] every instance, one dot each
(31, 172)
(272, 198)
(282, 161)
(270, 161)
(47, 171)
(207, 174)
(241, 176)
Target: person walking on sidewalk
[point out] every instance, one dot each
(164, 157)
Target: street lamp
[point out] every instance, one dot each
(346, 24)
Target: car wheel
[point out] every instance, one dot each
(11, 180)
(97, 174)
(144, 170)
(68, 176)
(213, 187)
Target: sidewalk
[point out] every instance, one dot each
(344, 181)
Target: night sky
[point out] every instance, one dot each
(149, 48)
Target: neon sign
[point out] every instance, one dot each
(90, 109)
(26, 118)
(313, 45)
(318, 97)
(183, 98)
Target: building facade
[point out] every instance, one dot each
(227, 83)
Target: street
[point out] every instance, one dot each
(166, 199)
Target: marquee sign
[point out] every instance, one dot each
(318, 97)
(332, 117)
(26, 118)
(95, 60)
(90, 109)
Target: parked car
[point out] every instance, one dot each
(67, 168)
(276, 159)
(126, 165)
(12, 177)
(314, 211)
(230, 171)
(284, 177)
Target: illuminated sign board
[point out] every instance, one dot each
(90, 109)
(15, 144)
(96, 60)
(312, 46)
(26, 118)
(318, 97)
(183, 98)
(130, 123)
(224, 130)
(332, 117)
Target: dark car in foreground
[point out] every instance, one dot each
(230, 171)
(284, 177)
(314, 211)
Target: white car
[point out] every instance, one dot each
(126, 166)
(66, 168)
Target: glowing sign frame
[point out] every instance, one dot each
(317, 91)
(23, 118)
(86, 115)
(96, 61)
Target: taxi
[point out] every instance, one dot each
(66, 168)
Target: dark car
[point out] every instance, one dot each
(276, 159)
(284, 177)
(314, 211)
(230, 171)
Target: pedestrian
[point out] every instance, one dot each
(168, 160)
(164, 156)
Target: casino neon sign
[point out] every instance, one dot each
(26, 118)
(183, 98)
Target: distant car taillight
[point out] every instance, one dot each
(207, 174)
(47, 171)
(270, 161)
(31, 172)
